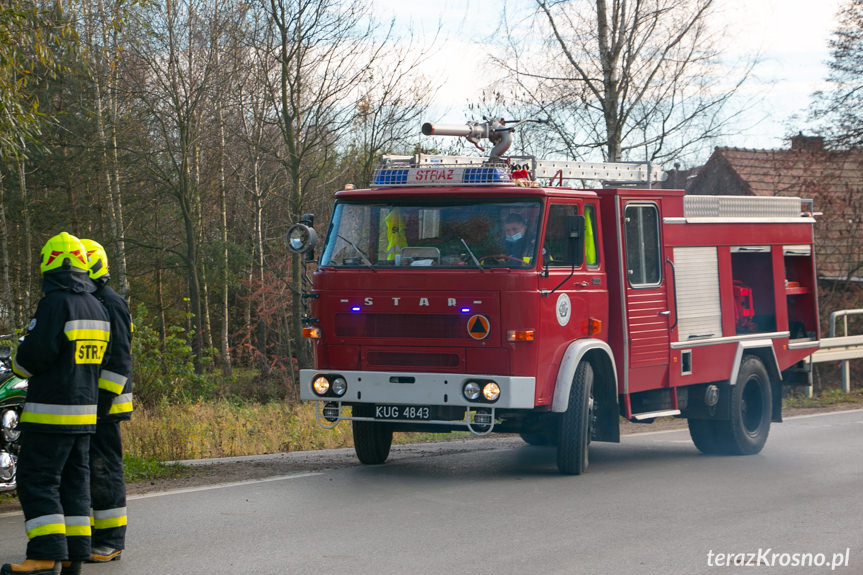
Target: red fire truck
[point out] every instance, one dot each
(461, 293)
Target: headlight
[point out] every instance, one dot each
(321, 385)
(471, 390)
(491, 391)
(340, 386)
(301, 238)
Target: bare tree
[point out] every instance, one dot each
(395, 96)
(175, 91)
(103, 39)
(629, 79)
(839, 110)
(322, 49)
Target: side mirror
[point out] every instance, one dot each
(575, 240)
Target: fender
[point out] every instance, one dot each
(767, 355)
(571, 358)
(763, 348)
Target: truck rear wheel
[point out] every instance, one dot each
(751, 403)
(372, 440)
(573, 438)
(704, 435)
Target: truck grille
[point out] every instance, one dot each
(422, 326)
(408, 359)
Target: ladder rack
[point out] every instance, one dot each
(617, 172)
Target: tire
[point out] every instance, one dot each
(372, 440)
(573, 440)
(704, 435)
(751, 403)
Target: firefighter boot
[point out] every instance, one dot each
(32, 567)
(71, 568)
(103, 554)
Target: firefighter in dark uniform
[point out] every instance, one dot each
(107, 487)
(62, 353)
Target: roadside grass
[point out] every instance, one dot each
(140, 469)
(223, 428)
(826, 398)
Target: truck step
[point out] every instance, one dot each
(654, 414)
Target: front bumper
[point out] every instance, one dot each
(418, 389)
(386, 387)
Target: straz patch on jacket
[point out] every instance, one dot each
(89, 351)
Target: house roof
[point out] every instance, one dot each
(833, 179)
(794, 172)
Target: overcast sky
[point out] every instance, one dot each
(790, 35)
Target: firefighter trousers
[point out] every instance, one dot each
(107, 486)
(54, 492)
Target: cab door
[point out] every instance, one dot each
(646, 296)
(570, 284)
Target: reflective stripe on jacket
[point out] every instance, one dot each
(115, 380)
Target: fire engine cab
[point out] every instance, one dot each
(484, 294)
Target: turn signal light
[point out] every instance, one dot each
(312, 332)
(521, 335)
(592, 326)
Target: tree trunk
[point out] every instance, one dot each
(28, 236)
(223, 208)
(160, 301)
(8, 304)
(262, 335)
(193, 279)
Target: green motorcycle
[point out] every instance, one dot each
(13, 391)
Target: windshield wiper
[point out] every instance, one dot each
(472, 256)
(359, 252)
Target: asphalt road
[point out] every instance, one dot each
(652, 504)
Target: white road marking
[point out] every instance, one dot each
(201, 488)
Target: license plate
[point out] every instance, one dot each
(412, 412)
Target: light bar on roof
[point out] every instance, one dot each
(442, 175)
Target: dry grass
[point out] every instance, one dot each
(225, 429)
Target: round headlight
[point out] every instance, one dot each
(321, 385)
(340, 386)
(301, 238)
(471, 390)
(491, 391)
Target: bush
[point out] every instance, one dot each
(165, 372)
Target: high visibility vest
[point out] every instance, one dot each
(589, 241)
(396, 239)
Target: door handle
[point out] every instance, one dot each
(665, 313)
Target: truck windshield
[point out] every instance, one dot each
(433, 234)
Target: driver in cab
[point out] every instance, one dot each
(517, 245)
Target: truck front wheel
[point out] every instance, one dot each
(372, 440)
(573, 438)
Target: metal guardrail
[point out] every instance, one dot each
(840, 348)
